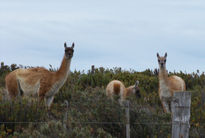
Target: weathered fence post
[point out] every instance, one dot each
(92, 69)
(127, 113)
(65, 119)
(180, 107)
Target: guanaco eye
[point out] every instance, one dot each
(158, 60)
(165, 60)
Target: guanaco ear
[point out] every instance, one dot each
(73, 45)
(65, 45)
(158, 55)
(165, 55)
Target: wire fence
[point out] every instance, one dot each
(143, 122)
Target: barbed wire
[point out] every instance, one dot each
(24, 122)
(97, 122)
(75, 103)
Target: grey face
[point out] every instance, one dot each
(69, 51)
(162, 60)
(137, 90)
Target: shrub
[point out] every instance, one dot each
(92, 114)
(17, 113)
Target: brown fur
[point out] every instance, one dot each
(12, 85)
(31, 77)
(116, 87)
(173, 84)
(168, 85)
(128, 91)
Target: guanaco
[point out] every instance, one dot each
(39, 82)
(168, 85)
(116, 87)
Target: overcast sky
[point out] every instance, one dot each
(108, 33)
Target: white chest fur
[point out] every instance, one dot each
(55, 88)
(29, 90)
(164, 89)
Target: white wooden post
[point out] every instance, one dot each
(180, 107)
(127, 113)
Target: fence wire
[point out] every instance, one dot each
(147, 124)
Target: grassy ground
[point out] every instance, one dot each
(92, 114)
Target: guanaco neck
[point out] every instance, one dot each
(64, 69)
(163, 75)
(128, 91)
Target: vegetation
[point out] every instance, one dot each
(91, 114)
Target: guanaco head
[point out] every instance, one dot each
(137, 90)
(69, 51)
(162, 60)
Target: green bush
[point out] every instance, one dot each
(15, 114)
(92, 114)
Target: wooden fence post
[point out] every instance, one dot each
(127, 113)
(92, 69)
(65, 118)
(180, 107)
